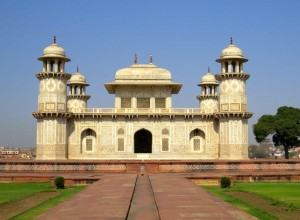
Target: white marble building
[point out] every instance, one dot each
(143, 124)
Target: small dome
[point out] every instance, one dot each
(77, 78)
(54, 50)
(232, 51)
(208, 79)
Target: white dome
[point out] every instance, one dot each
(208, 79)
(143, 72)
(232, 51)
(54, 50)
(77, 78)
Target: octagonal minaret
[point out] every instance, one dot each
(77, 97)
(233, 115)
(52, 112)
(208, 98)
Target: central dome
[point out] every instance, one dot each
(143, 72)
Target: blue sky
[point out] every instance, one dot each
(184, 36)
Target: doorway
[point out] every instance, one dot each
(143, 141)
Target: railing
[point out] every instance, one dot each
(142, 110)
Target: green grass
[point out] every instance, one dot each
(39, 209)
(287, 193)
(220, 192)
(14, 191)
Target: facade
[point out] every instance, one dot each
(143, 124)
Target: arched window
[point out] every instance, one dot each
(197, 140)
(121, 131)
(233, 67)
(121, 139)
(59, 66)
(51, 66)
(226, 67)
(165, 140)
(88, 140)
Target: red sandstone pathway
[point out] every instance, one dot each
(174, 198)
(178, 198)
(108, 198)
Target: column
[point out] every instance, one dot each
(152, 102)
(56, 66)
(237, 67)
(229, 67)
(44, 66)
(48, 65)
(241, 68)
(62, 66)
(223, 67)
(133, 102)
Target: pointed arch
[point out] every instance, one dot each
(197, 140)
(88, 140)
(143, 141)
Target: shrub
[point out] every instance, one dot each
(60, 182)
(225, 182)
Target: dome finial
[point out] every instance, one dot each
(54, 39)
(231, 40)
(135, 58)
(151, 58)
(77, 69)
(208, 70)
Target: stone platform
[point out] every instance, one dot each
(200, 171)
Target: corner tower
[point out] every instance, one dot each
(208, 98)
(77, 98)
(52, 112)
(233, 115)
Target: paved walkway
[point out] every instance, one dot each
(157, 196)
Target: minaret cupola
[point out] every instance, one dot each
(77, 98)
(208, 98)
(232, 59)
(54, 58)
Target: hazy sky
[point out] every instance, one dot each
(184, 37)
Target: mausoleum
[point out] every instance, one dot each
(143, 124)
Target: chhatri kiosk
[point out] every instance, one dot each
(143, 124)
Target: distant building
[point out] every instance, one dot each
(143, 124)
(9, 153)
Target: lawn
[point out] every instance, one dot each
(284, 192)
(10, 192)
(287, 193)
(13, 191)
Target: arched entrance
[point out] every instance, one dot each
(143, 141)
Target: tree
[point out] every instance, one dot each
(259, 151)
(284, 127)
